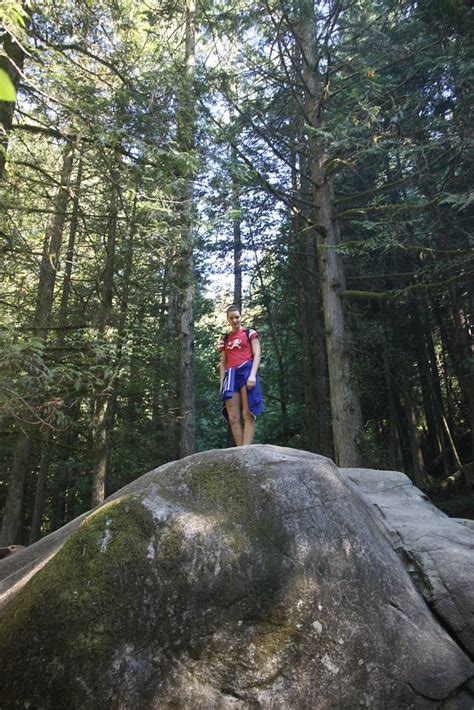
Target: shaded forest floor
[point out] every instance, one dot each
(451, 494)
(456, 505)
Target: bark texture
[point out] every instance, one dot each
(187, 397)
(101, 417)
(345, 405)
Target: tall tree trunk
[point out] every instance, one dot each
(418, 319)
(464, 345)
(51, 252)
(317, 409)
(11, 527)
(62, 505)
(122, 320)
(35, 531)
(396, 455)
(47, 440)
(173, 357)
(100, 421)
(456, 340)
(187, 399)
(69, 260)
(419, 471)
(458, 328)
(438, 403)
(345, 405)
(236, 232)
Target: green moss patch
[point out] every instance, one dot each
(58, 635)
(230, 494)
(271, 639)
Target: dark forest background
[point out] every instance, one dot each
(311, 161)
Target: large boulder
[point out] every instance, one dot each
(251, 577)
(438, 551)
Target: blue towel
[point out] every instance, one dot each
(234, 379)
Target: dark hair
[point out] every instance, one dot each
(233, 307)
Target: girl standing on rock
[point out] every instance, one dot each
(240, 387)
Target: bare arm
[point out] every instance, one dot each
(257, 353)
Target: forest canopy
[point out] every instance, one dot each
(309, 161)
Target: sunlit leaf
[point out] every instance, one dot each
(7, 90)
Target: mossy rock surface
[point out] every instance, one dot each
(253, 577)
(79, 608)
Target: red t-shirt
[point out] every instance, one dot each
(237, 347)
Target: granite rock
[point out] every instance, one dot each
(238, 578)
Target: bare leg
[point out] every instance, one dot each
(233, 412)
(249, 420)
